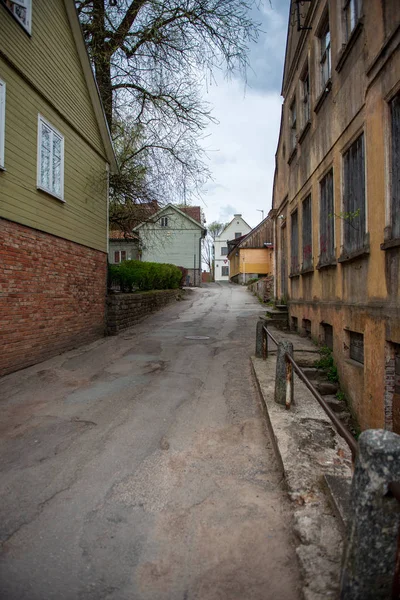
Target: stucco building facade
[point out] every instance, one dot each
(336, 199)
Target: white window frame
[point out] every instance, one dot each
(27, 4)
(2, 122)
(42, 120)
(164, 222)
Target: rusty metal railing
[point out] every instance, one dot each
(291, 365)
(340, 428)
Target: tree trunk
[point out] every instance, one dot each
(102, 58)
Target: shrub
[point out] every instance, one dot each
(145, 276)
(327, 364)
(184, 273)
(252, 280)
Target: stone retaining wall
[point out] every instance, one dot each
(124, 310)
(263, 288)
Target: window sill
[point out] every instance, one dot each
(393, 243)
(292, 155)
(346, 48)
(44, 191)
(292, 275)
(323, 95)
(354, 363)
(307, 270)
(349, 256)
(326, 265)
(304, 131)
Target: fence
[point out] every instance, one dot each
(371, 560)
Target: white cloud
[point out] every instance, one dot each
(241, 149)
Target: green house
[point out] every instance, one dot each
(55, 156)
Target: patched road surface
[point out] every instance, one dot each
(140, 468)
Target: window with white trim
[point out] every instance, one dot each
(164, 221)
(21, 11)
(50, 159)
(2, 120)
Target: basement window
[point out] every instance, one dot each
(327, 335)
(356, 346)
(307, 327)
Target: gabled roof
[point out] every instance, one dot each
(230, 223)
(91, 83)
(180, 211)
(241, 240)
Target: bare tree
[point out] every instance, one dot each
(208, 255)
(150, 59)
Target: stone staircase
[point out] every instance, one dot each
(278, 316)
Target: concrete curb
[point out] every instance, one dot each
(308, 449)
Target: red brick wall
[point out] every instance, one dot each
(52, 295)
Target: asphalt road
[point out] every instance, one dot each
(140, 468)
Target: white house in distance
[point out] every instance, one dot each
(235, 229)
(174, 235)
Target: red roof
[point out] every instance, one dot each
(122, 235)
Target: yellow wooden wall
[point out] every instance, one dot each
(251, 260)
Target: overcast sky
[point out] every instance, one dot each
(242, 146)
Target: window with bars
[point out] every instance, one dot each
(50, 159)
(305, 96)
(352, 13)
(395, 191)
(353, 217)
(307, 234)
(294, 238)
(293, 124)
(325, 52)
(326, 220)
(2, 120)
(21, 10)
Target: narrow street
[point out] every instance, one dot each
(140, 467)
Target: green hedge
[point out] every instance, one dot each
(144, 276)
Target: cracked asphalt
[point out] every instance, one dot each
(140, 467)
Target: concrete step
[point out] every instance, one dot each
(338, 489)
(306, 359)
(326, 388)
(314, 374)
(277, 315)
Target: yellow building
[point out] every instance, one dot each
(336, 195)
(251, 255)
(55, 154)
